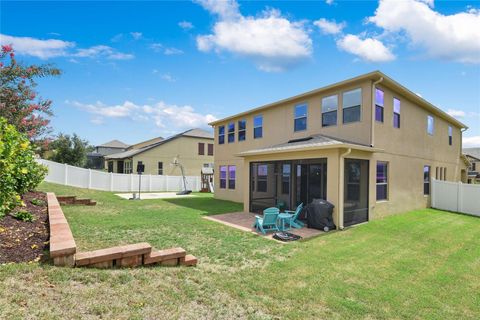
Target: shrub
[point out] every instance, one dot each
(23, 215)
(19, 172)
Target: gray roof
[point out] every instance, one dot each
(473, 152)
(114, 144)
(196, 133)
(317, 141)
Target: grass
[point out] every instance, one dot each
(418, 265)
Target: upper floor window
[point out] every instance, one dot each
(258, 127)
(379, 105)
(223, 177)
(160, 168)
(430, 125)
(382, 180)
(231, 176)
(201, 148)
(300, 122)
(221, 135)
(450, 135)
(329, 111)
(242, 129)
(352, 105)
(426, 180)
(396, 113)
(231, 132)
(210, 149)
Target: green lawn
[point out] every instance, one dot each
(423, 265)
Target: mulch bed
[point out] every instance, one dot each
(22, 241)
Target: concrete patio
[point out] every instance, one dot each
(244, 221)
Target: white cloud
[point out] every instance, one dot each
(471, 142)
(368, 49)
(185, 25)
(329, 27)
(170, 117)
(136, 35)
(272, 41)
(456, 113)
(117, 37)
(329, 2)
(453, 37)
(102, 51)
(97, 120)
(52, 48)
(158, 47)
(43, 49)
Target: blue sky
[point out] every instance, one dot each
(157, 68)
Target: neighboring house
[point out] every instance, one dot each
(192, 148)
(96, 160)
(473, 156)
(368, 145)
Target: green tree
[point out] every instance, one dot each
(19, 103)
(71, 150)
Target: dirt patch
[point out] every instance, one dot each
(22, 241)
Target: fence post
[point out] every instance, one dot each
(89, 178)
(111, 181)
(459, 197)
(65, 180)
(432, 195)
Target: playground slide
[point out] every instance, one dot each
(210, 186)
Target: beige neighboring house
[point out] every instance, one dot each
(193, 149)
(473, 156)
(368, 145)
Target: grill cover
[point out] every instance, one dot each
(319, 215)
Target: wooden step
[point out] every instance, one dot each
(66, 199)
(164, 255)
(110, 254)
(188, 260)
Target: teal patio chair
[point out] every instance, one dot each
(293, 219)
(268, 222)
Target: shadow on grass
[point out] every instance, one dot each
(207, 206)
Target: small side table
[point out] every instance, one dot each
(283, 217)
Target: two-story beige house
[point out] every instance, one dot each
(193, 149)
(368, 145)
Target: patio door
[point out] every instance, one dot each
(120, 166)
(311, 182)
(355, 206)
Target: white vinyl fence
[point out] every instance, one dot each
(456, 196)
(98, 180)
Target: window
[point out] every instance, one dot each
(396, 113)
(262, 174)
(221, 135)
(329, 111)
(300, 122)
(426, 180)
(231, 132)
(286, 178)
(430, 125)
(210, 149)
(140, 166)
(450, 136)
(379, 105)
(382, 180)
(201, 148)
(223, 177)
(160, 168)
(242, 128)
(127, 167)
(352, 105)
(231, 176)
(258, 127)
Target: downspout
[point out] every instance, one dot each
(341, 179)
(372, 132)
(462, 130)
